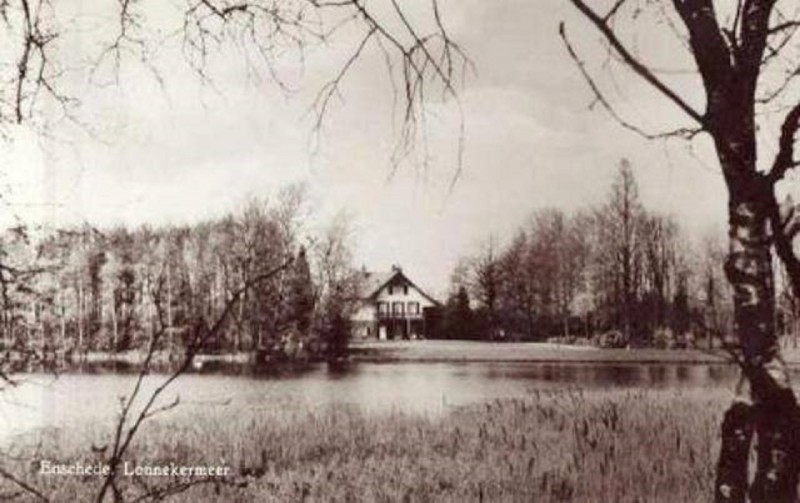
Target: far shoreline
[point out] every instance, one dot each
(415, 351)
(452, 351)
(455, 351)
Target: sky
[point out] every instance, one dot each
(186, 151)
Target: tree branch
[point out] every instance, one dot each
(23, 485)
(787, 25)
(782, 240)
(638, 67)
(784, 160)
(710, 51)
(755, 29)
(687, 133)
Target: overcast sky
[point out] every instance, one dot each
(187, 152)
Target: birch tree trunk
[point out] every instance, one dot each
(769, 410)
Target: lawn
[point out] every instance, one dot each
(438, 350)
(621, 446)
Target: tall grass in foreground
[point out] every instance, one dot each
(615, 446)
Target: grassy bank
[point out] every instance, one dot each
(562, 446)
(466, 351)
(473, 351)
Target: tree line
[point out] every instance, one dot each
(618, 273)
(82, 289)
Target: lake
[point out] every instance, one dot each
(62, 402)
(378, 435)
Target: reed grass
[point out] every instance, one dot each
(586, 446)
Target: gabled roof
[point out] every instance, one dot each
(373, 282)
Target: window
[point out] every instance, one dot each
(397, 307)
(405, 290)
(383, 308)
(413, 308)
(390, 290)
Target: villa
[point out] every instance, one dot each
(391, 306)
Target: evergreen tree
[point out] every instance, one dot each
(300, 303)
(681, 314)
(336, 324)
(458, 321)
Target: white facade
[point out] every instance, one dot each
(392, 307)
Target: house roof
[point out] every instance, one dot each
(373, 282)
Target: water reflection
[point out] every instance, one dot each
(593, 375)
(426, 388)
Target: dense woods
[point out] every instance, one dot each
(617, 273)
(83, 289)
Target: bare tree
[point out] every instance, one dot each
(619, 225)
(337, 283)
(486, 283)
(742, 52)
